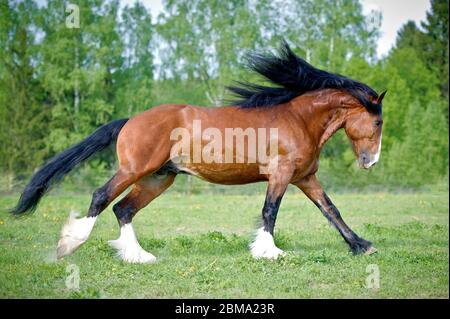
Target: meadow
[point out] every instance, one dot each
(201, 241)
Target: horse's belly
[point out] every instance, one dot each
(225, 173)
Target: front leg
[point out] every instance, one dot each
(264, 246)
(312, 188)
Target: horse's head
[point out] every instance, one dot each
(363, 127)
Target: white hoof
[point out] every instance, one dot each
(73, 234)
(264, 247)
(272, 253)
(128, 248)
(67, 245)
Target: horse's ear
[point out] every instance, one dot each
(381, 97)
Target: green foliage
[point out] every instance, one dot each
(430, 43)
(58, 84)
(134, 81)
(23, 113)
(328, 34)
(205, 40)
(76, 70)
(436, 42)
(424, 152)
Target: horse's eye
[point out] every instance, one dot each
(377, 122)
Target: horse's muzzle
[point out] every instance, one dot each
(366, 161)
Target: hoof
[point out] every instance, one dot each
(264, 246)
(362, 246)
(128, 248)
(67, 245)
(133, 254)
(272, 253)
(370, 251)
(74, 233)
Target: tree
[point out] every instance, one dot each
(430, 43)
(410, 36)
(23, 115)
(436, 42)
(78, 69)
(134, 80)
(204, 41)
(329, 35)
(423, 156)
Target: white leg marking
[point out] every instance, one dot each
(264, 247)
(74, 233)
(128, 248)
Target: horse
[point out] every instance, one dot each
(304, 104)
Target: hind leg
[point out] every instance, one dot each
(76, 231)
(143, 192)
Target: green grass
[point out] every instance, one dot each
(201, 244)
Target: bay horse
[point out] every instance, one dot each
(306, 106)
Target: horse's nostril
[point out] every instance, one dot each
(364, 157)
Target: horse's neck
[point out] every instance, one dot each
(331, 126)
(322, 114)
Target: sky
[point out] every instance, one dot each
(395, 14)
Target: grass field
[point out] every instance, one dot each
(201, 244)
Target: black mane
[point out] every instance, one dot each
(293, 77)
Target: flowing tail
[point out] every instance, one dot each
(60, 165)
